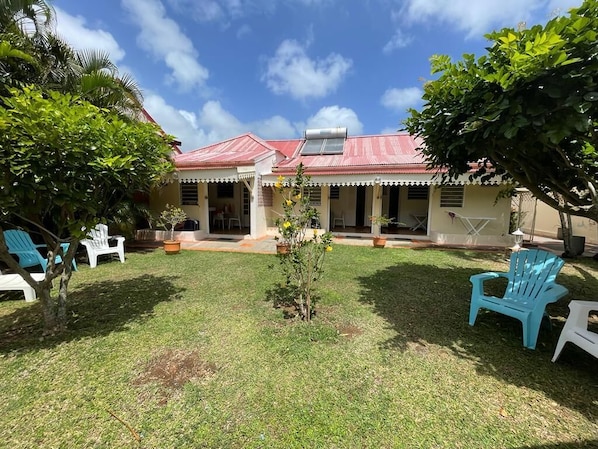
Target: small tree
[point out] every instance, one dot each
(379, 221)
(303, 263)
(66, 165)
(173, 215)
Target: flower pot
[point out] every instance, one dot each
(282, 248)
(379, 242)
(172, 246)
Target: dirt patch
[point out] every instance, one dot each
(172, 369)
(349, 330)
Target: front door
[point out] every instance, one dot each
(360, 207)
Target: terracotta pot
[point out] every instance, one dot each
(379, 242)
(282, 248)
(172, 246)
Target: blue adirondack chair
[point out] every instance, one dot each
(531, 286)
(19, 243)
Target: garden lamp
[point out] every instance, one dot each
(518, 239)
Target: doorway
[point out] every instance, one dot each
(360, 206)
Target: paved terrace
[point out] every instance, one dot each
(268, 245)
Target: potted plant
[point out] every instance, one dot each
(379, 221)
(172, 216)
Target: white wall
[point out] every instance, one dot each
(478, 201)
(547, 222)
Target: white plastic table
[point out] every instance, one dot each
(474, 225)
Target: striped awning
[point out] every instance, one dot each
(412, 179)
(233, 174)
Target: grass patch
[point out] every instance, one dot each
(190, 351)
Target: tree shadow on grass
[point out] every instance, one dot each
(428, 305)
(589, 444)
(93, 310)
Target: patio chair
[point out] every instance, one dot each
(340, 220)
(98, 244)
(19, 243)
(576, 329)
(16, 282)
(531, 286)
(232, 220)
(219, 217)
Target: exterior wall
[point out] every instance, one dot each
(171, 194)
(547, 222)
(260, 206)
(167, 194)
(478, 201)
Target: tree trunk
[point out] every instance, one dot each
(53, 309)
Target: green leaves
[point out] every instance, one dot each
(68, 163)
(527, 106)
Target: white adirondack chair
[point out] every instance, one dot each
(16, 282)
(576, 329)
(98, 244)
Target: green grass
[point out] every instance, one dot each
(188, 351)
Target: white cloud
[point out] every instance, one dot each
(332, 117)
(221, 124)
(178, 123)
(473, 17)
(75, 31)
(401, 99)
(212, 124)
(291, 71)
(244, 30)
(398, 40)
(275, 127)
(162, 37)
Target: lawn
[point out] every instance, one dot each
(188, 351)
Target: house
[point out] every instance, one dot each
(228, 187)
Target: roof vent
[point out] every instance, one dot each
(326, 133)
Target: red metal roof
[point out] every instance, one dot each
(286, 147)
(237, 151)
(389, 153)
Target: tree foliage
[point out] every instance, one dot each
(40, 57)
(65, 165)
(525, 111)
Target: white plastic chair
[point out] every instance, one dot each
(232, 220)
(576, 329)
(340, 220)
(219, 217)
(16, 282)
(98, 244)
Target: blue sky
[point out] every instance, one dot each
(214, 69)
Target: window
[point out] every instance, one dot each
(451, 196)
(315, 195)
(225, 190)
(189, 194)
(335, 192)
(417, 192)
